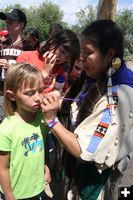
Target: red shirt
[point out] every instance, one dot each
(32, 57)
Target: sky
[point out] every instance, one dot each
(69, 7)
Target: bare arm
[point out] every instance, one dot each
(50, 107)
(68, 139)
(5, 181)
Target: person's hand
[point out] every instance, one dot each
(50, 105)
(4, 63)
(49, 62)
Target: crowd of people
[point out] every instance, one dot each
(66, 110)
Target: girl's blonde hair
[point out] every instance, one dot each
(17, 75)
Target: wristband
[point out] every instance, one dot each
(53, 122)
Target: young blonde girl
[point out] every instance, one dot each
(22, 135)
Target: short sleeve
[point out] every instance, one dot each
(5, 139)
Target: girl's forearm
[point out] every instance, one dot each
(6, 184)
(68, 139)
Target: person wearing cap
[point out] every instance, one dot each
(15, 21)
(13, 46)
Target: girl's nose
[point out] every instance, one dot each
(37, 97)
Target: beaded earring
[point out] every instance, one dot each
(116, 63)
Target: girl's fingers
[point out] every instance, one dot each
(45, 54)
(49, 55)
(51, 100)
(53, 59)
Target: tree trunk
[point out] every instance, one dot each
(106, 9)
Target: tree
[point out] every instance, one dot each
(84, 17)
(40, 17)
(123, 18)
(125, 21)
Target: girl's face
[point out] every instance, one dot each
(28, 100)
(94, 62)
(62, 55)
(77, 69)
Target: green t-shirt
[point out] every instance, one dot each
(25, 142)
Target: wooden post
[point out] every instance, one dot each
(106, 9)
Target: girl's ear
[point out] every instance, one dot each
(10, 95)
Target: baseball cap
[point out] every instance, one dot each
(14, 14)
